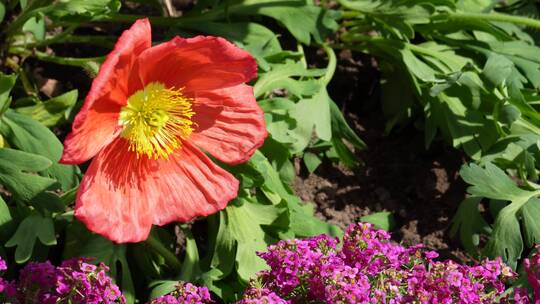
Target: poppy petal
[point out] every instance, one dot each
(96, 124)
(229, 123)
(195, 64)
(191, 185)
(112, 198)
(121, 195)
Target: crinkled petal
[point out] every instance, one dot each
(191, 185)
(121, 196)
(229, 124)
(196, 64)
(112, 198)
(96, 124)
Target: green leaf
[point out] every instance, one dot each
(36, 26)
(81, 243)
(14, 173)
(190, 265)
(81, 10)
(6, 84)
(2, 12)
(530, 214)
(29, 135)
(342, 132)
(491, 182)
(497, 69)
(31, 228)
(311, 114)
(6, 220)
(162, 287)
(301, 19)
(470, 224)
(53, 111)
(312, 161)
(244, 223)
(281, 76)
(382, 220)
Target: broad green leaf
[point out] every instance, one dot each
(15, 168)
(29, 135)
(53, 111)
(382, 220)
(31, 228)
(6, 84)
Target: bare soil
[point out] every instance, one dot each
(420, 187)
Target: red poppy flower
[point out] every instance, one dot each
(149, 111)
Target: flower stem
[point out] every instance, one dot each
(497, 17)
(170, 257)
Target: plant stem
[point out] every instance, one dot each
(497, 17)
(332, 62)
(170, 258)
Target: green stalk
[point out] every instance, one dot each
(495, 17)
(332, 63)
(170, 257)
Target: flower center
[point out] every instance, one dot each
(156, 120)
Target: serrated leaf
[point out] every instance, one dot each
(245, 222)
(491, 182)
(14, 173)
(31, 228)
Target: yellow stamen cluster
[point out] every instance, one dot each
(156, 120)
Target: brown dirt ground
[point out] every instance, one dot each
(420, 187)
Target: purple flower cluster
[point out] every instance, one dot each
(532, 268)
(185, 293)
(256, 294)
(74, 281)
(369, 268)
